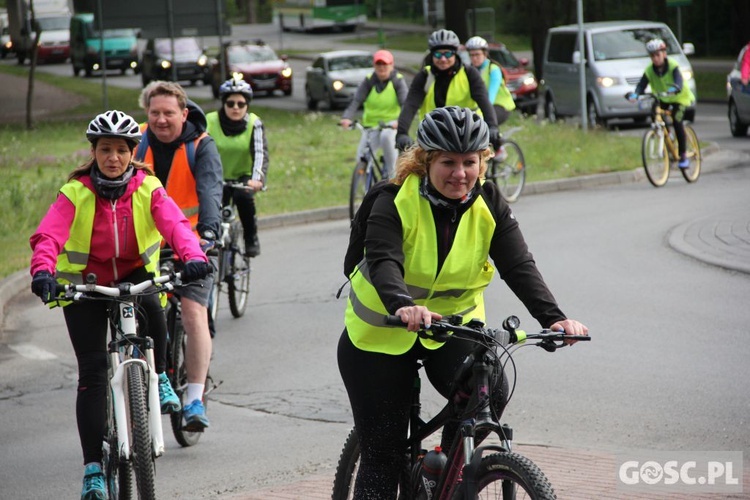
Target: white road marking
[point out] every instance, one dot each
(30, 351)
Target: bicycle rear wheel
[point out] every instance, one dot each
(655, 158)
(178, 374)
(693, 151)
(509, 475)
(238, 280)
(141, 450)
(509, 173)
(358, 188)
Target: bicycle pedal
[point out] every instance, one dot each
(193, 428)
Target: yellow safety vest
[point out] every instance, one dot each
(503, 97)
(459, 94)
(458, 289)
(381, 106)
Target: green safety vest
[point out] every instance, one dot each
(75, 255)
(459, 94)
(234, 150)
(503, 97)
(381, 106)
(662, 83)
(457, 289)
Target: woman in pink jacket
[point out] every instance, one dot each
(745, 66)
(109, 220)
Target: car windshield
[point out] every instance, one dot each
(350, 62)
(181, 46)
(121, 33)
(240, 54)
(626, 44)
(54, 23)
(504, 57)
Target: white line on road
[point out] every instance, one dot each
(30, 351)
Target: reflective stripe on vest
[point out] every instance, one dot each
(459, 94)
(503, 97)
(234, 150)
(662, 83)
(458, 289)
(75, 255)
(180, 183)
(381, 106)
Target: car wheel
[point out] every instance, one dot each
(329, 102)
(312, 104)
(76, 70)
(593, 115)
(550, 110)
(738, 128)
(87, 72)
(145, 79)
(288, 92)
(215, 89)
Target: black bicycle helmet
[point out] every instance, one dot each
(443, 38)
(236, 86)
(114, 124)
(453, 129)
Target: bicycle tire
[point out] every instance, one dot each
(213, 299)
(655, 159)
(238, 279)
(117, 472)
(358, 188)
(141, 449)
(509, 475)
(693, 151)
(178, 375)
(509, 175)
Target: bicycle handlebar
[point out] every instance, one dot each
(75, 292)
(358, 125)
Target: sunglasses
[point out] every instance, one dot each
(236, 104)
(444, 53)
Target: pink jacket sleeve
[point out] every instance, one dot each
(50, 237)
(172, 224)
(745, 65)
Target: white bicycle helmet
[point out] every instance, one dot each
(655, 45)
(113, 123)
(236, 86)
(443, 38)
(476, 43)
(453, 129)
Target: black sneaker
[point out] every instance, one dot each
(252, 249)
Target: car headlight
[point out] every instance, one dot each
(286, 72)
(606, 81)
(202, 60)
(528, 79)
(165, 64)
(237, 75)
(687, 74)
(337, 85)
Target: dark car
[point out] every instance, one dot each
(739, 100)
(518, 78)
(190, 62)
(257, 63)
(333, 77)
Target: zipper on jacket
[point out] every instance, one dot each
(116, 239)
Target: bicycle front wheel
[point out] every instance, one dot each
(238, 281)
(655, 158)
(358, 188)
(141, 450)
(509, 173)
(118, 473)
(178, 374)
(693, 152)
(509, 475)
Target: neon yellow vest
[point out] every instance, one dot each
(458, 289)
(503, 97)
(459, 94)
(662, 83)
(75, 255)
(381, 106)
(234, 150)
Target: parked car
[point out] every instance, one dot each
(739, 99)
(616, 57)
(257, 63)
(334, 76)
(54, 42)
(190, 62)
(6, 46)
(518, 78)
(120, 47)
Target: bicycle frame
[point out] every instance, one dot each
(663, 129)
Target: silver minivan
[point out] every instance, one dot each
(616, 57)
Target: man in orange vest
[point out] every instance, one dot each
(186, 161)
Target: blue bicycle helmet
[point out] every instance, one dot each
(236, 86)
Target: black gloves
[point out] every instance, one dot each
(495, 138)
(403, 141)
(195, 270)
(44, 285)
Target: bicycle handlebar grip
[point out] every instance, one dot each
(393, 320)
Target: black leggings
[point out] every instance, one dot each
(88, 324)
(380, 393)
(245, 203)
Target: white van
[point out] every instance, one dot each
(616, 57)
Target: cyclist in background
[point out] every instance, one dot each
(243, 147)
(185, 160)
(664, 76)
(109, 219)
(445, 81)
(381, 96)
(427, 251)
(745, 66)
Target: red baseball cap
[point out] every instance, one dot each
(383, 56)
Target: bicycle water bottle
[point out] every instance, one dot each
(433, 464)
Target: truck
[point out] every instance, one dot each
(52, 20)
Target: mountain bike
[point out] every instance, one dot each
(507, 169)
(134, 436)
(468, 471)
(368, 170)
(659, 147)
(234, 265)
